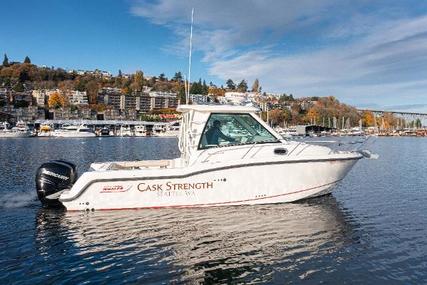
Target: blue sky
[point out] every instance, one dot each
(366, 53)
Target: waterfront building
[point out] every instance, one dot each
(39, 96)
(78, 97)
(162, 100)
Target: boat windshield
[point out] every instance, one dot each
(234, 129)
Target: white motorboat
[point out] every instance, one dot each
(256, 167)
(125, 131)
(19, 131)
(71, 131)
(140, 131)
(166, 130)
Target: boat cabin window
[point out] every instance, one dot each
(234, 129)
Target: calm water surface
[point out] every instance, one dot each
(371, 230)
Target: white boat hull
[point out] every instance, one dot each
(14, 134)
(74, 135)
(257, 183)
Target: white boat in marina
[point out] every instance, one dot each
(19, 131)
(214, 169)
(166, 130)
(71, 131)
(140, 131)
(125, 131)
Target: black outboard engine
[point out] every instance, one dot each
(52, 177)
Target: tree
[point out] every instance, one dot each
(196, 87)
(92, 88)
(255, 86)
(230, 84)
(177, 76)
(243, 86)
(205, 88)
(27, 60)
(5, 60)
(138, 81)
(277, 116)
(162, 77)
(57, 100)
(368, 119)
(120, 73)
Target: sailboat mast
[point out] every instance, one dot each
(189, 57)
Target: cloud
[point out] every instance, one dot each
(309, 47)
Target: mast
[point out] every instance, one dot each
(189, 57)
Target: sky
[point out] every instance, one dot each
(367, 53)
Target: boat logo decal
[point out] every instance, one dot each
(115, 188)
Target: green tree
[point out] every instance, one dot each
(205, 88)
(120, 73)
(230, 84)
(243, 86)
(177, 76)
(162, 77)
(27, 60)
(5, 60)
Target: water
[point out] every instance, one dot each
(372, 229)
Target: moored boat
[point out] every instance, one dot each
(71, 131)
(19, 131)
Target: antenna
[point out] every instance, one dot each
(189, 57)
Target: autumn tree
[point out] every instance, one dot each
(368, 119)
(255, 86)
(57, 100)
(92, 88)
(215, 91)
(312, 115)
(138, 81)
(278, 117)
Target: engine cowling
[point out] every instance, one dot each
(52, 177)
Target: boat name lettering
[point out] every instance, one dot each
(169, 186)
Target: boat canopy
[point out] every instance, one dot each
(195, 118)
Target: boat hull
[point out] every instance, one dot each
(14, 135)
(74, 135)
(256, 183)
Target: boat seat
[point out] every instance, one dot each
(140, 164)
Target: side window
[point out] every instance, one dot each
(232, 129)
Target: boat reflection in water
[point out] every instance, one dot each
(195, 245)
